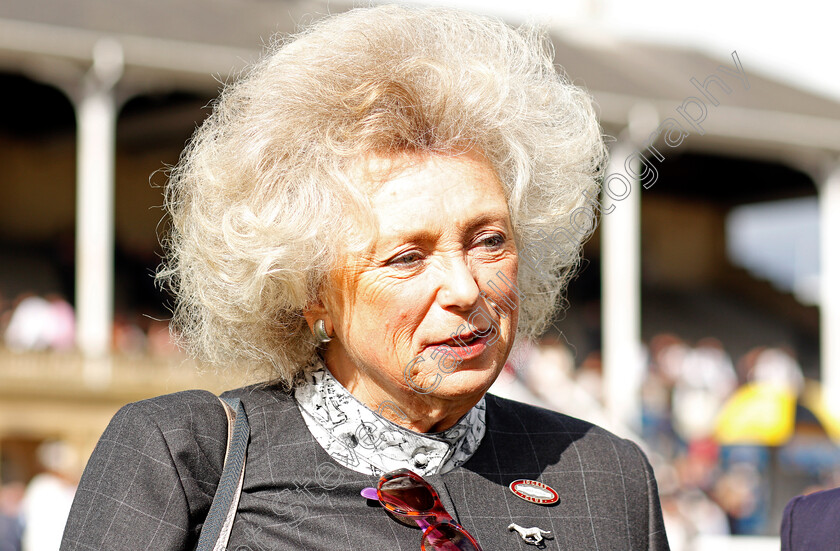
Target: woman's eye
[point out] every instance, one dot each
(493, 241)
(408, 259)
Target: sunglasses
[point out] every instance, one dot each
(406, 494)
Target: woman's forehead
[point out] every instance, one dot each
(435, 191)
(378, 167)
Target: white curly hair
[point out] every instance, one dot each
(262, 191)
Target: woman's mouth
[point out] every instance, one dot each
(465, 347)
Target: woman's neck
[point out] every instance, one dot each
(422, 413)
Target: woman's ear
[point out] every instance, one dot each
(315, 311)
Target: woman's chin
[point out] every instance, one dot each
(466, 381)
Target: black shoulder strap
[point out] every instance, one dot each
(216, 530)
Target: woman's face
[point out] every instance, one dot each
(429, 313)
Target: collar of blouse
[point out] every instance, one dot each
(364, 441)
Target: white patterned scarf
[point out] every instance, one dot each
(366, 442)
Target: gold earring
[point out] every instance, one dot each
(320, 330)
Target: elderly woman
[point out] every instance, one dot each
(372, 214)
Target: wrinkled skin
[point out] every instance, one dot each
(444, 233)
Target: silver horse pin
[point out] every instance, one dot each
(533, 535)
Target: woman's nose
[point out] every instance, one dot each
(458, 286)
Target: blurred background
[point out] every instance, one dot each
(702, 322)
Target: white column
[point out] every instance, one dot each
(621, 290)
(829, 197)
(96, 114)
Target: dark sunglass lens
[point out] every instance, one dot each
(407, 494)
(447, 537)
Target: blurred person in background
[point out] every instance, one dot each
(590, 376)
(11, 522)
(350, 218)
(779, 367)
(129, 338)
(704, 381)
(742, 494)
(160, 341)
(62, 329)
(48, 497)
(665, 353)
(38, 324)
(29, 324)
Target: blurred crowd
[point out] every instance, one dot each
(731, 442)
(33, 323)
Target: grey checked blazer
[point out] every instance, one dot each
(150, 481)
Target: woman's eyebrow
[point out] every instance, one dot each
(424, 234)
(494, 216)
(399, 237)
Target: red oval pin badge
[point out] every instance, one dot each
(533, 491)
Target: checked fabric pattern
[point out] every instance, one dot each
(151, 478)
